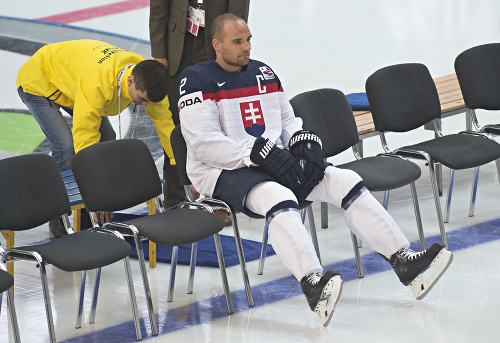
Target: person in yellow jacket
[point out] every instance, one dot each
(91, 80)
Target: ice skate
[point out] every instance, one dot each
(410, 267)
(322, 293)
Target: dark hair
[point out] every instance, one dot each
(217, 28)
(151, 76)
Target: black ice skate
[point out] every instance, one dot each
(322, 293)
(410, 267)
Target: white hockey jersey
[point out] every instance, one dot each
(222, 113)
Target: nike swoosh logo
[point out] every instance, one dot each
(220, 84)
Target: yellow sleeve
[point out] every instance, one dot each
(86, 122)
(162, 118)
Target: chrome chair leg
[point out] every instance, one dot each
(263, 250)
(13, 316)
(497, 162)
(448, 196)
(241, 257)
(417, 215)
(386, 199)
(312, 229)
(173, 267)
(357, 255)
(222, 268)
(145, 282)
(48, 307)
(133, 300)
(324, 215)
(473, 191)
(95, 295)
(192, 267)
(435, 192)
(83, 277)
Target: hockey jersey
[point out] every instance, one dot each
(222, 113)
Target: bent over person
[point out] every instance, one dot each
(245, 147)
(90, 80)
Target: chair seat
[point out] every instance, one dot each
(449, 151)
(178, 227)
(83, 250)
(493, 129)
(381, 173)
(6, 281)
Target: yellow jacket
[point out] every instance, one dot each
(83, 76)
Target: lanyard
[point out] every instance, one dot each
(120, 77)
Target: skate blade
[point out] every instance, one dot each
(441, 262)
(329, 299)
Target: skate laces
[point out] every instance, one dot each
(409, 254)
(314, 278)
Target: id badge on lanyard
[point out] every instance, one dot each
(195, 18)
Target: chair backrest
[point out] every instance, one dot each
(402, 97)
(32, 192)
(328, 113)
(478, 73)
(116, 175)
(180, 153)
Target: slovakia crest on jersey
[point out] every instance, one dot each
(253, 118)
(267, 73)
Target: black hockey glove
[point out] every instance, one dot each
(306, 145)
(277, 162)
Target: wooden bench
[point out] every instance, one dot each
(452, 103)
(76, 203)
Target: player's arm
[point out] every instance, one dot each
(86, 122)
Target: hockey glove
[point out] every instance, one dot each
(277, 162)
(306, 145)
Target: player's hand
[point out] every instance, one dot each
(194, 192)
(278, 163)
(104, 217)
(306, 145)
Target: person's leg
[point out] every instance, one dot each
(365, 216)
(173, 190)
(58, 133)
(294, 247)
(370, 222)
(287, 234)
(53, 125)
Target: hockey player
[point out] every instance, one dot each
(245, 146)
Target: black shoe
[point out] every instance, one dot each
(410, 267)
(56, 227)
(322, 293)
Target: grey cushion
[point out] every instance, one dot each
(402, 97)
(116, 175)
(6, 281)
(381, 173)
(478, 72)
(178, 227)
(460, 151)
(83, 250)
(32, 192)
